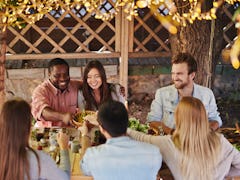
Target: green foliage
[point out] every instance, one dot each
(136, 125)
(237, 146)
(33, 121)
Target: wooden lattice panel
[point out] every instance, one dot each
(70, 31)
(149, 34)
(75, 33)
(229, 30)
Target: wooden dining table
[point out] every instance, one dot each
(75, 158)
(76, 173)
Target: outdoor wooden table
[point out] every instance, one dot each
(76, 173)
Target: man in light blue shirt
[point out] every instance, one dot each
(184, 68)
(120, 158)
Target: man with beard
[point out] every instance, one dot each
(161, 115)
(54, 102)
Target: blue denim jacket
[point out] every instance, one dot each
(122, 158)
(166, 100)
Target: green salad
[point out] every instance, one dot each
(135, 124)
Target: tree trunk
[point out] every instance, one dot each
(2, 64)
(203, 40)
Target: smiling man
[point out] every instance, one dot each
(54, 102)
(184, 68)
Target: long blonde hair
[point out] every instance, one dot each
(15, 123)
(199, 146)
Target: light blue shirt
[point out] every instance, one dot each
(122, 158)
(166, 100)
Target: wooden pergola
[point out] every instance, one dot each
(76, 34)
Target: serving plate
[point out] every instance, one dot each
(79, 118)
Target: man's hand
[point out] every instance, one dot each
(54, 116)
(67, 118)
(213, 125)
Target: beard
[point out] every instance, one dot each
(180, 84)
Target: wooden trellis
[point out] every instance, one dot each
(76, 34)
(229, 30)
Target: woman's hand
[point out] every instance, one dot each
(92, 119)
(63, 139)
(84, 129)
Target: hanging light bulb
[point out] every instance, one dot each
(235, 63)
(142, 3)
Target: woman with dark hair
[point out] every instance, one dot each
(194, 151)
(95, 89)
(18, 160)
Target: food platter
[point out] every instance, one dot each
(232, 135)
(79, 117)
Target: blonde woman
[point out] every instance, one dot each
(194, 151)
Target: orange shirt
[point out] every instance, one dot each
(46, 95)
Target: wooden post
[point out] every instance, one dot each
(2, 64)
(125, 34)
(118, 30)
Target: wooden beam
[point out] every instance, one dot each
(92, 55)
(149, 54)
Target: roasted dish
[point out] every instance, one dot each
(79, 117)
(232, 135)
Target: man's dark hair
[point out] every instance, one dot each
(188, 59)
(56, 61)
(113, 117)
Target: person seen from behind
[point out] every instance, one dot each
(120, 157)
(194, 151)
(18, 160)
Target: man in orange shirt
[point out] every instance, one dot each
(54, 102)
